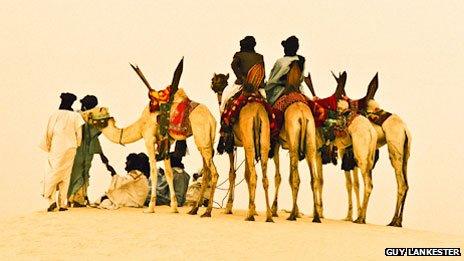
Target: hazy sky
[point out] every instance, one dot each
(85, 47)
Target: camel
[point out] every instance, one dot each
(252, 132)
(298, 136)
(203, 126)
(393, 133)
(362, 136)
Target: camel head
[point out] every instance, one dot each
(341, 81)
(98, 117)
(218, 84)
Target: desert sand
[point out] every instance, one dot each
(127, 233)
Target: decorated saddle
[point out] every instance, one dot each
(378, 116)
(179, 124)
(282, 103)
(233, 107)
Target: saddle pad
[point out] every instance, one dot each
(179, 124)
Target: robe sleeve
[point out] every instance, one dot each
(47, 140)
(118, 181)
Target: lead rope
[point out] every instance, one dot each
(120, 137)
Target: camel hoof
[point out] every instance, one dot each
(193, 211)
(206, 214)
(292, 217)
(316, 220)
(250, 218)
(359, 221)
(149, 211)
(395, 223)
(269, 219)
(228, 212)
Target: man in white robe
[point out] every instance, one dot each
(63, 136)
(129, 190)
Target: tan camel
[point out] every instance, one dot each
(252, 132)
(203, 127)
(298, 136)
(362, 136)
(394, 133)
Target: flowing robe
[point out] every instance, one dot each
(79, 182)
(275, 86)
(130, 190)
(62, 137)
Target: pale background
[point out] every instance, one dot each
(84, 47)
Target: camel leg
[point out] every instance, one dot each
(315, 169)
(170, 180)
(208, 159)
(356, 190)
(278, 179)
(367, 178)
(150, 145)
(349, 187)
(321, 181)
(232, 176)
(396, 160)
(252, 177)
(265, 180)
(294, 180)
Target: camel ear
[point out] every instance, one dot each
(214, 75)
(373, 86)
(227, 76)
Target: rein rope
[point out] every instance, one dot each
(120, 137)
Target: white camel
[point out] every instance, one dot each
(393, 133)
(203, 127)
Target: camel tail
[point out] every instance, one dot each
(302, 146)
(257, 137)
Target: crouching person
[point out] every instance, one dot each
(129, 190)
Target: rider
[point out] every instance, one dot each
(276, 85)
(242, 62)
(245, 61)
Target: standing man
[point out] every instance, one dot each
(90, 145)
(63, 136)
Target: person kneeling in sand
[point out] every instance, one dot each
(129, 190)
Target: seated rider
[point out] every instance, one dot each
(277, 83)
(248, 67)
(242, 62)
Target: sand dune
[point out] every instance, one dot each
(129, 233)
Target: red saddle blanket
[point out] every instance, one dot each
(233, 107)
(282, 103)
(321, 107)
(179, 121)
